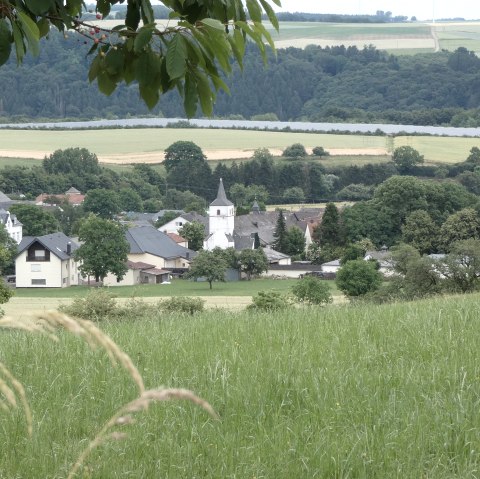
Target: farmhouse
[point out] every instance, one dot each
(46, 262)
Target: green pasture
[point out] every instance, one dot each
(439, 149)
(453, 36)
(335, 392)
(179, 287)
(27, 162)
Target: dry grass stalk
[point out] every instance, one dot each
(123, 417)
(10, 396)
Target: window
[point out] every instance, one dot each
(218, 212)
(35, 268)
(36, 253)
(39, 282)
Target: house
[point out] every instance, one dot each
(331, 266)
(12, 225)
(46, 262)
(176, 224)
(148, 245)
(384, 259)
(180, 240)
(72, 196)
(275, 257)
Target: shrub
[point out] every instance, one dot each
(297, 150)
(312, 290)
(183, 304)
(358, 277)
(268, 301)
(97, 304)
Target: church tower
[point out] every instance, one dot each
(221, 221)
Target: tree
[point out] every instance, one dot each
(297, 150)
(253, 262)
(329, 231)
(208, 265)
(320, 151)
(294, 241)
(104, 248)
(129, 200)
(78, 161)
(8, 251)
(194, 233)
(461, 266)
(36, 221)
(193, 53)
(464, 224)
(295, 194)
(420, 231)
(102, 202)
(187, 168)
(358, 277)
(406, 158)
(280, 233)
(312, 291)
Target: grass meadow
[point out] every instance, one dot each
(336, 392)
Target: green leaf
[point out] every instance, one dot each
(212, 23)
(266, 34)
(270, 14)
(142, 38)
(190, 100)
(105, 84)
(176, 56)
(147, 69)
(94, 68)
(149, 95)
(114, 61)
(31, 31)
(18, 40)
(132, 19)
(204, 93)
(38, 7)
(43, 27)
(147, 11)
(254, 10)
(5, 41)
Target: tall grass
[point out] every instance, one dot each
(336, 392)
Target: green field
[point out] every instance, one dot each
(337, 392)
(152, 141)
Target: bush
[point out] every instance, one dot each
(183, 304)
(358, 277)
(312, 290)
(297, 150)
(268, 301)
(97, 304)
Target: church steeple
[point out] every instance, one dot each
(221, 199)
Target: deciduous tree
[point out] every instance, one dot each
(406, 158)
(207, 265)
(36, 221)
(104, 248)
(358, 277)
(253, 262)
(312, 291)
(194, 233)
(102, 202)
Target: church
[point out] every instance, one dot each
(221, 225)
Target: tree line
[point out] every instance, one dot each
(311, 84)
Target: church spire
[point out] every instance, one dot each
(221, 199)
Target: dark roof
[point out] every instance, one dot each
(4, 217)
(139, 265)
(56, 243)
(221, 199)
(4, 199)
(194, 216)
(147, 239)
(243, 242)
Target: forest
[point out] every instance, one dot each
(332, 84)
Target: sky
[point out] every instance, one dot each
(422, 9)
